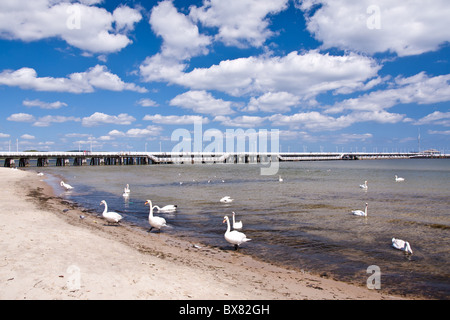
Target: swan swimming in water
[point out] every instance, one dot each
(399, 179)
(226, 199)
(401, 245)
(155, 222)
(237, 225)
(361, 213)
(66, 185)
(364, 186)
(110, 216)
(280, 179)
(126, 191)
(234, 237)
(168, 208)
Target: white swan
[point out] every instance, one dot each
(361, 213)
(364, 186)
(155, 222)
(399, 179)
(110, 216)
(234, 237)
(237, 225)
(280, 179)
(226, 199)
(126, 191)
(168, 208)
(401, 245)
(66, 185)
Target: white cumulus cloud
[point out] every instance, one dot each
(97, 77)
(146, 102)
(175, 120)
(181, 37)
(202, 102)
(44, 105)
(27, 137)
(406, 27)
(435, 118)
(273, 102)
(303, 74)
(239, 22)
(81, 25)
(240, 121)
(48, 120)
(21, 117)
(420, 89)
(99, 118)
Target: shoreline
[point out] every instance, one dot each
(48, 252)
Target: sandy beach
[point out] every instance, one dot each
(48, 252)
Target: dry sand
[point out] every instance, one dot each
(46, 253)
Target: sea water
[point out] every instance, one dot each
(305, 221)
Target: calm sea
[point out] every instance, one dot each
(305, 221)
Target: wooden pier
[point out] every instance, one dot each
(60, 159)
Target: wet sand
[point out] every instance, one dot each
(48, 252)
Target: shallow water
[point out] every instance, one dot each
(304, 221)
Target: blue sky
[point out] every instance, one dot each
(124, 75)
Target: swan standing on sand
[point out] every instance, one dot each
(168, 208)
(364, 186)
(226, 199)
(399, 179)
(66, 185)
(401, 245)
(361, 213)
(155, 222)
(236, 225)
(234, 237)
(110, 216)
